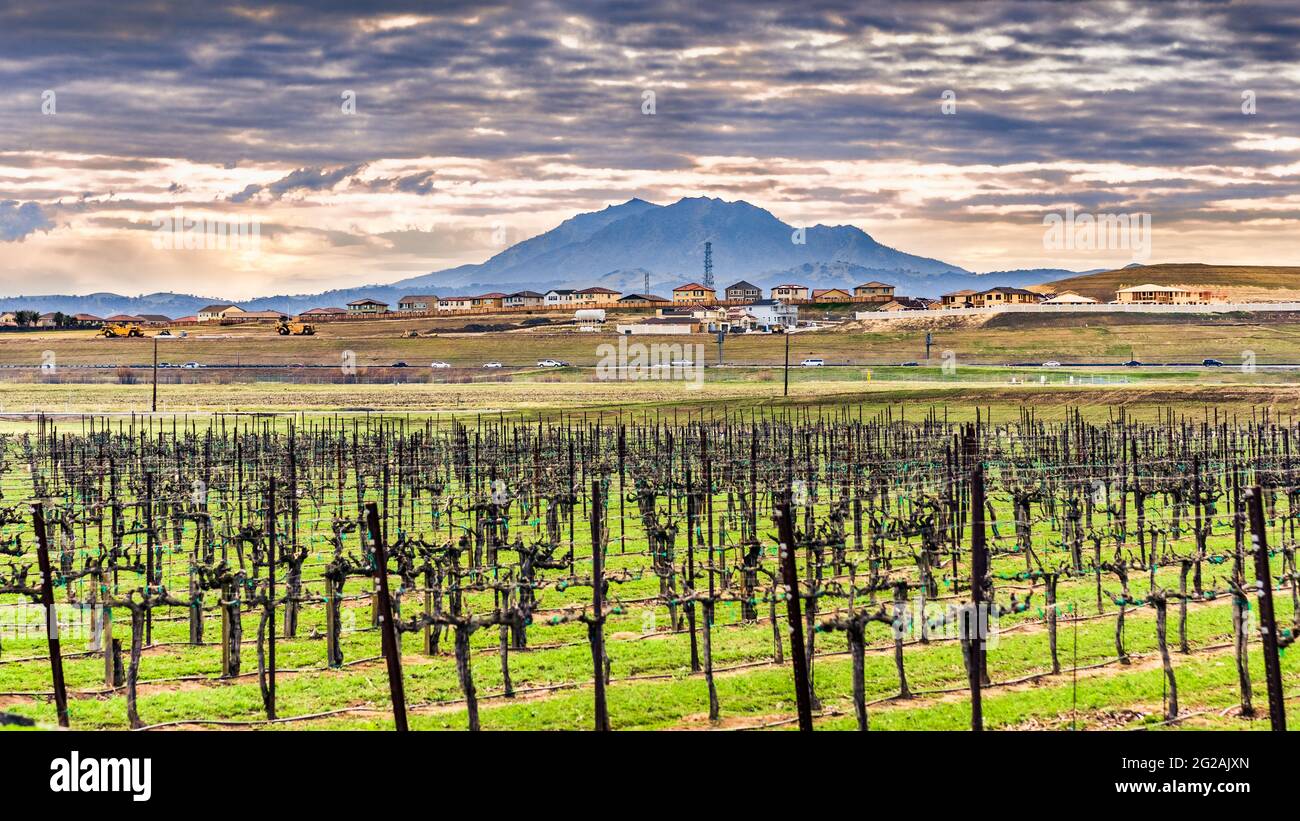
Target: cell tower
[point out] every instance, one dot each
(708, 265)
(647, 282)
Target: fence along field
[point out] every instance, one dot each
(173, 549)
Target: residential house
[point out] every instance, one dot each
(1164, 295)
(262, 316)
(786, 293)
(965, 298)
(212, 313)
(905, 303)
(831, 295)
(367, 307)
(772, 315)
(321, 313)
(1069, 298)
(155, 319)
(693, 293)
(87, 320)
(492, 300)
(997, 297)
(875, 291)
(126, 318)
(596, 297)
(48, 320)
(743, 290)
(455, 303)
(663, 325)
(8, 319)
(418, 303)
(642, 301)
(714, 319)
(559, 297)
(523, 299)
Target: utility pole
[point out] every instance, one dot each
(722, 336)
(154, 407)
(708, 265)
(786, 391)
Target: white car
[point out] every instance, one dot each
(1051, 363)
(550, 363)
(191, 365)
(681, 363)
(816, 362)
(492, 364)
(439, 365)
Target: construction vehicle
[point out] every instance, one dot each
(287, 328)
(116, 330)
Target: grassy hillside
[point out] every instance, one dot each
(1263, 281)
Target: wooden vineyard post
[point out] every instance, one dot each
(790, 580)
(51, 618)
(149, 545)
(1267, 620)
(975, 619)
(429, 648)
(106, 639)
(597, 623)
(227, 663)
(387, 626)
(332, 659)
(270, 599)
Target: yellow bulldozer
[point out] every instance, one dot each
(287, 328)
(117, 330)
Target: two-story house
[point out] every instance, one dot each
(744, 290)
(693, 293)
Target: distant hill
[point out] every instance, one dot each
(668, 241)
(1241, 281)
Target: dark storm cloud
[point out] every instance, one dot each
(1154, 86)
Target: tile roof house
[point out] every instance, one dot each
(216, 313)
(743, 290)
(831, 295)
(523, 299)
(418, 303)
(367, 306)
(875, 291)
(693, 293)
(789, 291)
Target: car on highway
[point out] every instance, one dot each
(1132, 363)
(813, 362)
(910, 364)
(191, 365)
(1211, 363)
(682, 363)
(552, 363)
(399, 365)
(439, 365)
(1051, 363)
(492, 365)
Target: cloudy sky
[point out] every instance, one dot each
(379, 140)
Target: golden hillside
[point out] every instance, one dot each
(1241, 282)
